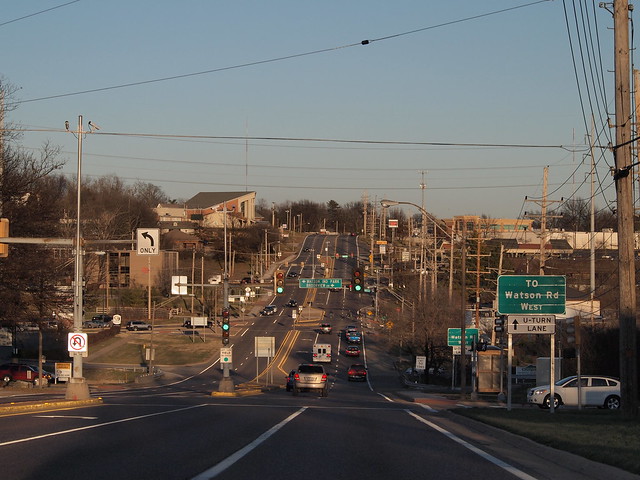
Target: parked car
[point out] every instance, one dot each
(136, 325)
(325, 328)
(11, 372)
(310, 377)
(352, 351)
(98, 321)
(292, 275)
(357, 371)
(595, 391)
(269, 310)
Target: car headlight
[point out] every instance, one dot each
(539, 391)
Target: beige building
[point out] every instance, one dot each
(209, 210)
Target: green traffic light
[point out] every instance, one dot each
(358, 288)
(225, 326)
(280, 290)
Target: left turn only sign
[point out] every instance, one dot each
(148, 241)
(77, 342)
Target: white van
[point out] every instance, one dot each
(321, 352)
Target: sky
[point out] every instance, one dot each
(469, 99)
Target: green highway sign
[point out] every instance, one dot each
(531, 294)
(320, 283)
(454, 336)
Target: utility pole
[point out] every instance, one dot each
(478, 273)
(543, 203)
(624, 196)
(463, 321)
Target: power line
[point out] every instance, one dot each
(275, 59)
(37, 13)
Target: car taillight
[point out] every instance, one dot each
(296, 377)
(324, 377)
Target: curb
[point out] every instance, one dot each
(45, 406)
(245, 391)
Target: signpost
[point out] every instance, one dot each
(320, 283)
(226, 356)
(531, 294)
(531, 303)
(454, 336)
(531, 324)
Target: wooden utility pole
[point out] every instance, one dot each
(624, 196)
(463, 321)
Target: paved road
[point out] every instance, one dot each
(176, 429)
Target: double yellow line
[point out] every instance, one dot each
(282, 354)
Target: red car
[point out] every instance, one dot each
(10, 372)
(357, 372)
(352, 351)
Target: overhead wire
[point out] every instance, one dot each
(37, 13)
(275, 59)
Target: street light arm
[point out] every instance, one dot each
(392, 203)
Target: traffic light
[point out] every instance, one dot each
(225, 326)
(573, 330)
(4, 232)
(499, 325)
(357, 280)
(278, 283)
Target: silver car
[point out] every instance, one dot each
(595, 391)
(310, 377)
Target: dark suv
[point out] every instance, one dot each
(99, 321)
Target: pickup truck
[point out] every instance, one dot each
(195, 322)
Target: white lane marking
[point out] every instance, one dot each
(427, 407)
(230, 460)
(385, 397)
(98, 425)
(496, 461)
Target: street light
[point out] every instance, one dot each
(386, 203)
(463, 358)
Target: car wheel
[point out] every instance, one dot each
(135, 329)
(324, 392)
(295, 391)
(547, 403)
(612, 402)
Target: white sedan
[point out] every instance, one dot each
(595, 391)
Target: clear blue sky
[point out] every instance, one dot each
(470, 73)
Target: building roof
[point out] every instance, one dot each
(211, 199)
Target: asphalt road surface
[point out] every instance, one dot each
(176, 429)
